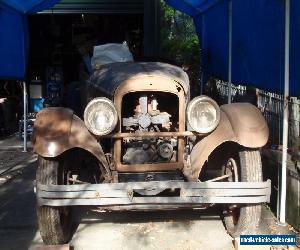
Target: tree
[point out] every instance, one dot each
(179, 41)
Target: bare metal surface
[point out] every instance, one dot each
(225, 176)
(122, 193)
(156, 184)
(152, 201)
(240, 122)
(150, 134)
(100, 193)
(154, 207)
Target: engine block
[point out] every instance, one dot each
(147, 114)
(148, 118)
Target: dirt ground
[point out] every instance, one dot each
(12, 158)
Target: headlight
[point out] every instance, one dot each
(203, 114)
(100, 116)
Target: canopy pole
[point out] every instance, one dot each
(229, 48)
(285, 113)
(24, 117)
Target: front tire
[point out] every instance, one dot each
(54, 222)
(245, 219)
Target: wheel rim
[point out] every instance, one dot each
(231, 169)
(64, 212)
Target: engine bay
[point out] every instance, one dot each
(149, 112)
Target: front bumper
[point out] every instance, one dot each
(190, 194)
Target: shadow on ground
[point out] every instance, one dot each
(18, 224)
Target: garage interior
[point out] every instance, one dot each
(62, 37)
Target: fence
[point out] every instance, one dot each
(271, 105)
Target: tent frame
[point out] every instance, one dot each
(229, 49)
(285, 132)
(24, 117)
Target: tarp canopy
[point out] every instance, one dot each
(257, 47)
(257, 40)
(14, 35)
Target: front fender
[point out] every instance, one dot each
(242, 123)
(58, 129)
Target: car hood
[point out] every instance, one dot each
(110, 76)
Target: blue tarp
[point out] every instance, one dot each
(258, 40)
(13, 44)
(14, 35)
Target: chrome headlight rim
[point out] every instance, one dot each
(191, 105)
(87, 110)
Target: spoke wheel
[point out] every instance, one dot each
(54, 222)
(243, 219)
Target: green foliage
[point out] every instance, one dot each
(179, 42)
(178, 38)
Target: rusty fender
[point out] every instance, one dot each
(242, 123)
(58, 129)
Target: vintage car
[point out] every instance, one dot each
(144, 145)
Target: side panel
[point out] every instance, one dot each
(242, 123)
(58, 129)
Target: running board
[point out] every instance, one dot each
(124, 194)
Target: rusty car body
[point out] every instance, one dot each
(161, 150)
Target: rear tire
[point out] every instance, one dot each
(54, 222)
(245, 219)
